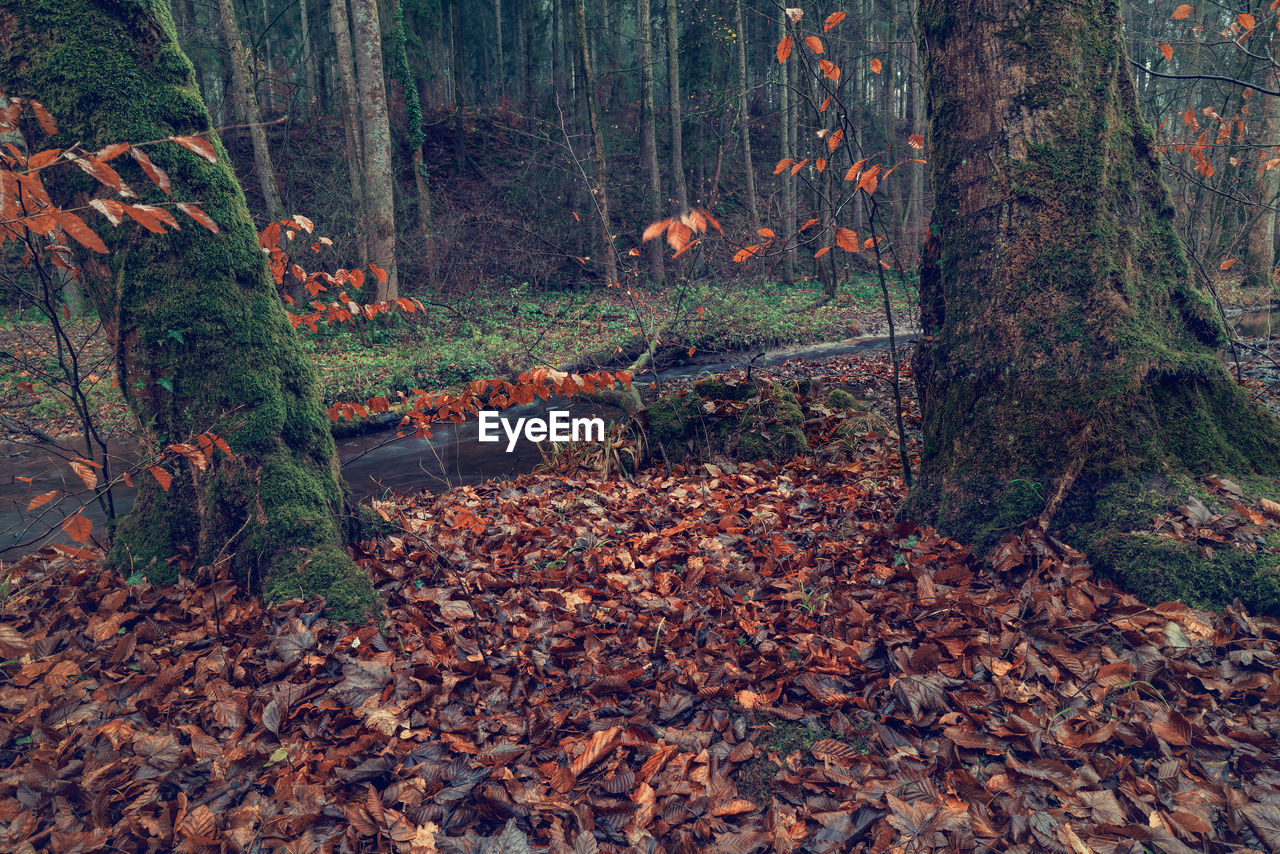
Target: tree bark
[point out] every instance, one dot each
(744, 117)
(379, 203)
(677, 122)
(113, 72)
(649, 134)
(308, 57)
(350, 122)
(1260, 256)
(1068, 374)
(244, 92)
(601, 190)
(786, 130)
(498, 70)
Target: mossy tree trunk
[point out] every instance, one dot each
(1068, 373)
(200, 338)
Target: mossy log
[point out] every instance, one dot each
(1068, 371)
(201, 340)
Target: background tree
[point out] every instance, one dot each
(200, 336)
(248, 100)
(1068, 370)
(380, 213)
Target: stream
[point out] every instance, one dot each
(374, 462)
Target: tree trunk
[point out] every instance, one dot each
(677, 126)
(112, 72)
(379, 204)
(415, 136)
(308, 57)
(244, 91)
(744, 118)
(649, 135)
(785, 131)
(1068, 374)
(1260, 257)
(501, 82)
(351, 122)
(600, 191)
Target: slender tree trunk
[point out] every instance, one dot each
(744, 118)
(600, 190)
(308, 56)
(785, 132)
(677, 122)
(416, 136)
(1260, 256)
(351, 123)
(111, 72)
(240, 77)
(1067, 375)
(556, 37)
(916, 205)
(499, 66)
(649, 134)
(379, 203)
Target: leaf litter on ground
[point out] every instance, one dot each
(725, 657)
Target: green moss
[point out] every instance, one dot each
(190, 310)
(769, 427)
(838, 398)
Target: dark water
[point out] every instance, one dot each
(373, 463)
(1256, 323)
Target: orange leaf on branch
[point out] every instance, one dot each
(814, 43)
(784, 49)
(832, 19)
(77, 527)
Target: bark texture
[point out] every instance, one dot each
(601, 190)
(1069, 370)
(1260, 253)
(649, 133)
(113, 71)
(244, 93)
(677, 113)
(350, 120)
(380, 218)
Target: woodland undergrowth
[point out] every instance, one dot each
(703, 657)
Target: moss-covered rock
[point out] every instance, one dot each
(742, 420)
(838, 398)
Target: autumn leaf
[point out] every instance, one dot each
(84, 469)
(784, 49)
(77, 527)
(814, 43)
(41, 500)
(82, 233)
(820, 164)
(829, 70)
(44, 117)
(826, 102)
(1181, 12)
(199, 145)
(767, 232)
(847, 239)
(915, 141)
(876, 66)
(1167, 50)
(782, 164)
(794, 15)
(823, 251)
(835, 139)
(380, 273)
(655, 229)
(1246, 21)
(1227, 264)
(162, 477)
(869, 181)
(832, 19)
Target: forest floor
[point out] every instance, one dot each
(712, 657)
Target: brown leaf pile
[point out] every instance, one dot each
(758, 659)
